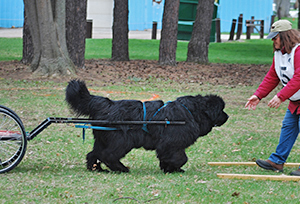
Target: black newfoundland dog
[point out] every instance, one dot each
(200, 113)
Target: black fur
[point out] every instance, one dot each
(200, 113)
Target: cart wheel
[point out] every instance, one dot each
(13, 140)
(12, 112)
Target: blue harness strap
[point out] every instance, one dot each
(186, 109)
(159, 110)
(144, 118)
(93, 127)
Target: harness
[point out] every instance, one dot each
(86, 126)
(145, 113)
(167, 122)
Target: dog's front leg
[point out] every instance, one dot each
(116, 166)
(168, 168)
(93, 163)
(171, 161)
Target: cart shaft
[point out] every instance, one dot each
(51, 120)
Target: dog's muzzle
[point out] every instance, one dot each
(221, 120)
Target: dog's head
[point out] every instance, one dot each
(209, 107)
(214, 109)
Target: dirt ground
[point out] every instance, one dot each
(106, 71)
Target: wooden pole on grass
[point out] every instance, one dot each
(246, 164)
(240, 27)
(218, 29)
(260, 177)
(262, 25)
(154, 30)
(232, 29)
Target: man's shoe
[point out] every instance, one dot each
(295, 173)
(269, 165)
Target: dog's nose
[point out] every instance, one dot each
(226, 116)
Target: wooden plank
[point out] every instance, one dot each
(253, 25)
(231, 163)
(246, 164)
(259, 177)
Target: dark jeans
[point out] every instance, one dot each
(288, 136)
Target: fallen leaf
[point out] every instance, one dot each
(235, 194)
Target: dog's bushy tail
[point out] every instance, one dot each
(78, 97)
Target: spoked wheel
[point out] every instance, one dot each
(13, 140)
(12, 112)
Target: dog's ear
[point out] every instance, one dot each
(214, 106)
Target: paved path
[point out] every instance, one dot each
(100, 33)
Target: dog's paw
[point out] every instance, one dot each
(117, 167)
(95, 166)
(89, 167)
(123, 170)
(103, 170)
(179, 170)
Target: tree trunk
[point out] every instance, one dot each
(76, 30)
(120, 31)
(27, 43)
(198, 45)
(168, 42)
(75, 33)
(283, 8)
(46, 20)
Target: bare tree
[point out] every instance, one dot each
(120, 31)
(198, 45)
(46, 21)
(168, 42)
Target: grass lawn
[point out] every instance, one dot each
(241, 52)
(53, 169)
